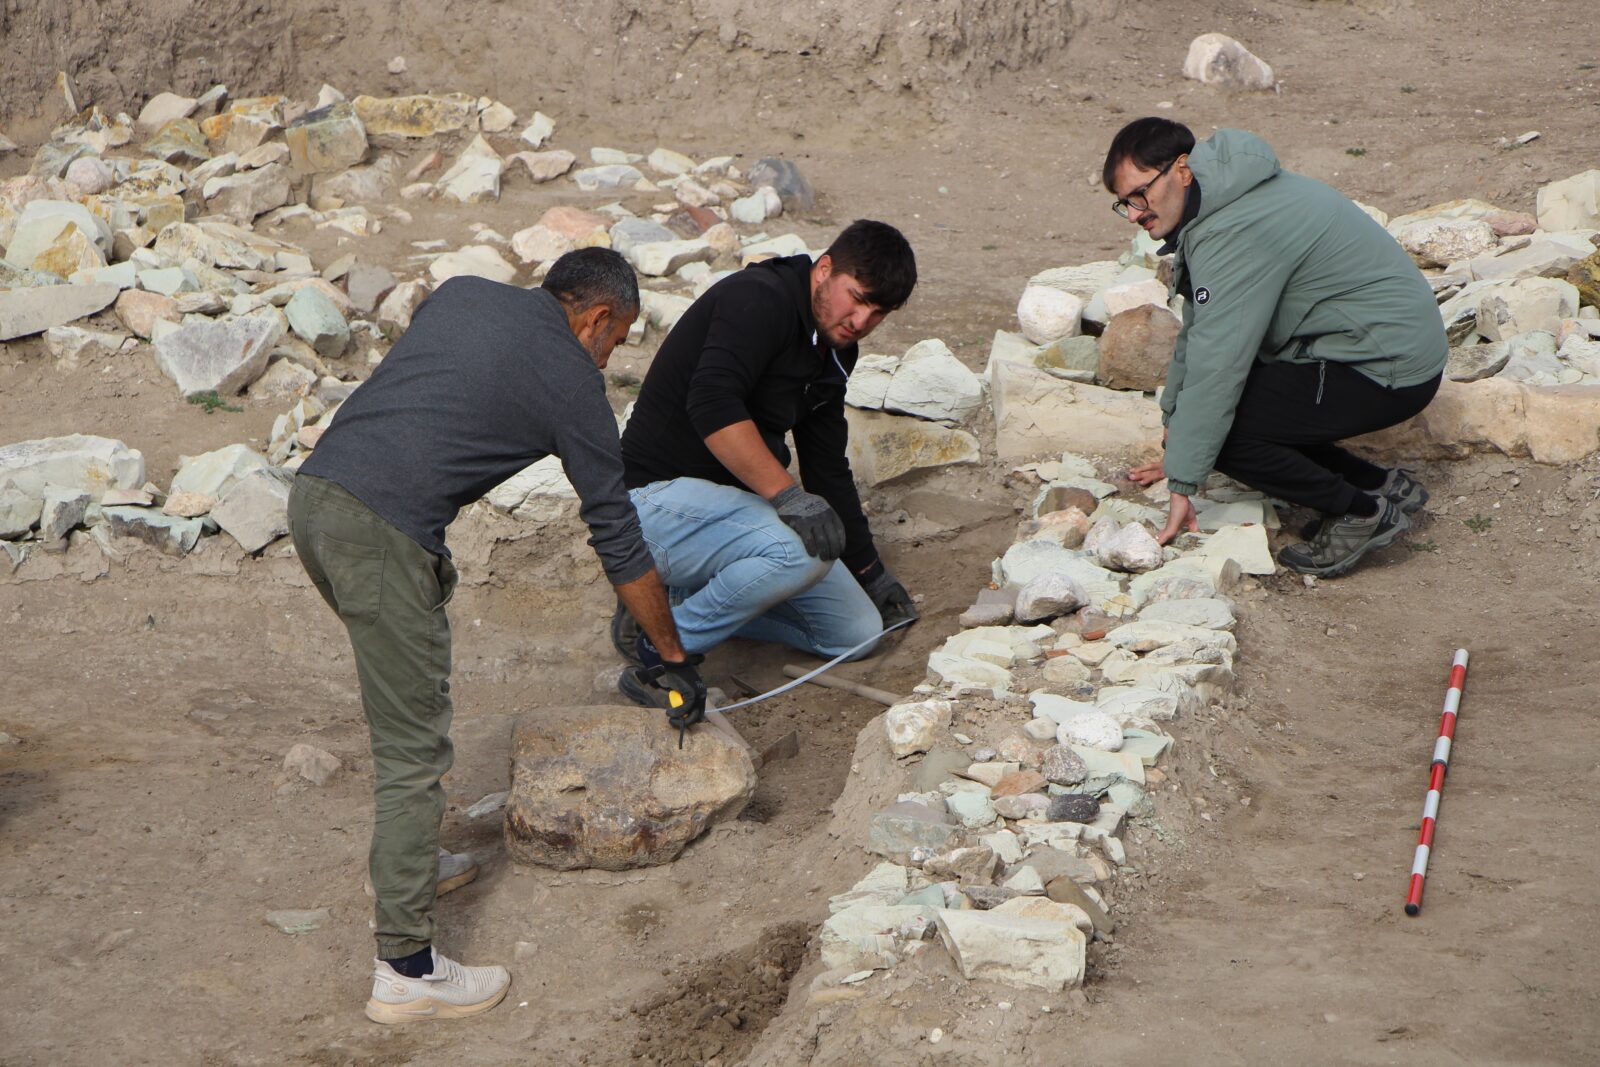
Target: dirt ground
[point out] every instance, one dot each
(144, 830)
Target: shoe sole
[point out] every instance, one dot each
(1335, 570)
(455, 882)
(448, 885)
(426, 1009)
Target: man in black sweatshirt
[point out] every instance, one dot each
(745, 549)
(488, 379)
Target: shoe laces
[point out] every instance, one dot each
(446, 969)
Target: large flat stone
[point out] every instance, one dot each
(169, 533)
(1037, 414)
(1550, 424)
(1246, 545)
(29, 311)
(883, 447)
(931, 383)
(255, 512)
(244, 196)
(415, 116)
(1014, 950)
(475, 175)
(40, 225)
(540, 492)
(1570, 204)
(327, 139)
(214, 473)
(222, 356)
(906, 825)
(608, 787)
(865, 932)
(19, 512)
(77, 461)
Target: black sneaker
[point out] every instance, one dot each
(1341, 542)
(634, 685)
(634, 682)
(625, 633)
(1404, 490)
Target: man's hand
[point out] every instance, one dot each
(1180, 517)
(685, 692)
(813, 518)
(894, 604)
(1150, 473)
(1147, 473)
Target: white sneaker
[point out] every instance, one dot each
(452, 991)
(456, 869)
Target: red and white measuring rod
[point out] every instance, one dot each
(1436, 773)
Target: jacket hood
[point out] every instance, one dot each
(1228, 165)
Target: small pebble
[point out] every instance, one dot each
(935, 1036)
(297, 921)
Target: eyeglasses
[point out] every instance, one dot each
(1137, 198)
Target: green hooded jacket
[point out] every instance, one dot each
(1278, 266)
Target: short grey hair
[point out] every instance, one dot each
(589, 276)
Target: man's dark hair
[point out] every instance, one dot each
(1150, 143)
(589, 276)
(879, 257)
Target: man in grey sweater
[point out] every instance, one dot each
(488, 379)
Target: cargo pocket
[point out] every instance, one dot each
(355, 573)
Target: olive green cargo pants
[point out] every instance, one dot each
(391, 593)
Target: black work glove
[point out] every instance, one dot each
(893, 602)
(813, 518)
(682, 689)
(682, 683)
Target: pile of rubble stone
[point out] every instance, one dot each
(1042, 731)
(173, 228)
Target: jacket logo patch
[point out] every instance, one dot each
(1201, 295)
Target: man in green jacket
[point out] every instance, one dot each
(1304, 323)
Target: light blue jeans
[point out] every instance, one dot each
(734, 569)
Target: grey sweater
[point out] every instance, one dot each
(488, 379)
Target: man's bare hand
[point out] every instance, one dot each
(1180, 517)
(1147, 473)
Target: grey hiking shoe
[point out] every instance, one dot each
(1404, 490)
(625, 633)
(1341, 542)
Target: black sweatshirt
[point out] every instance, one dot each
(748, 349)
(488, 379)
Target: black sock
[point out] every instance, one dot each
(1363, 506)
(416, 965)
